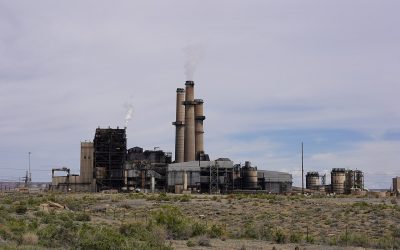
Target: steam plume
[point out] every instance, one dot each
(129, 113)
(193, 55)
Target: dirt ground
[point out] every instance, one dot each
(256, 245)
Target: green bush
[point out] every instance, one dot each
(136, 230)
(150, 235)
(250, 232)
(82, 217)
(185, 198)
(280, 237)
(215, 231)
(198, 229)
(265, 232)
(100, 238)
(174, 221)
(295, 237)
(20, 209)
(58, 233)
(360, 204)
(190, 243)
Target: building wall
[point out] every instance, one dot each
(87, 161)
(396, 185)
(71, 184)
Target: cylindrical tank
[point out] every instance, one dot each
(249, 176)
(189, 140)
(338, 178)
(185, 180)
(312, 180)
(359, 179)
(350, 181)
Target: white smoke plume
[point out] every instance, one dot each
(129, 113)
(193, 55)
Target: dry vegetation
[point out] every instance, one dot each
(161, 221)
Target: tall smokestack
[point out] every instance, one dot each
(179, 125)
(199, 128)
(190, 150)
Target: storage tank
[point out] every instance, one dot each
(350, 181)
(338, 178)
(312, 180)
(249, 177)
(359, 179)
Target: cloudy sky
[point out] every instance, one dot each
(272, 74)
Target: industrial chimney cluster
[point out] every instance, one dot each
(189, 133)
(107, 163)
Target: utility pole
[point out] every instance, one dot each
(29, 169)
(302, 169)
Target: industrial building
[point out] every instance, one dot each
(396, 185)
(343, 181)
(106, 163)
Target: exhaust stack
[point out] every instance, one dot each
(199, 128)
(179, 125)
(189, 141)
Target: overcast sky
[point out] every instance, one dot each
(272, 74)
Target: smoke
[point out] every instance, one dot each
(193, 55)
(129, 113)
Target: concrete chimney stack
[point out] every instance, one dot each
(190, 149)
(199, 128)
(179, 125)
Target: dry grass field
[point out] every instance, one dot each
(167, 221)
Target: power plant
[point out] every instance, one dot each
(107, 164)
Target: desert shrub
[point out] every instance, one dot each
(136, 230)
(73, 203)
(33, 224)
(17, 226)
(30, 239)
(280, 236)
(360, 204)
(163, 197)
(295, 237)
(20, 208)
(8, 200)
(354, 239)
(82, 217)
(99, 238)
(250, 232)
(190, 243)
(5, 233)
(198, 229)
(265, 232)
(150, 235)
(174, 221)
(136, 196)
(57, 234)
(215, 231)
(310, 239)
(185, 198)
